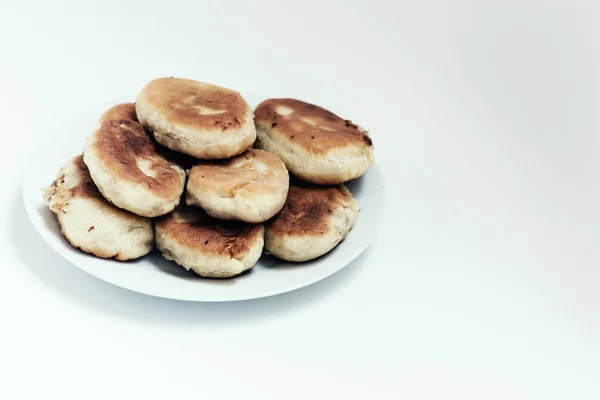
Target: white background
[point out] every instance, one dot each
(483, 282)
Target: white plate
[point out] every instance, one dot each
(155, 276)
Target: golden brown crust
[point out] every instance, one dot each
(87, 220)
(125, 148)
(197, 231)
(120, 111)
(308, 208)
(227, 177)
(312, 127)
(197, 104)
(84, 187)
(79, 185)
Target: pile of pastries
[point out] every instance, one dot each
(191, 169)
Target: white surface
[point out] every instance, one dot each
(156, 276)
(483, 281)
